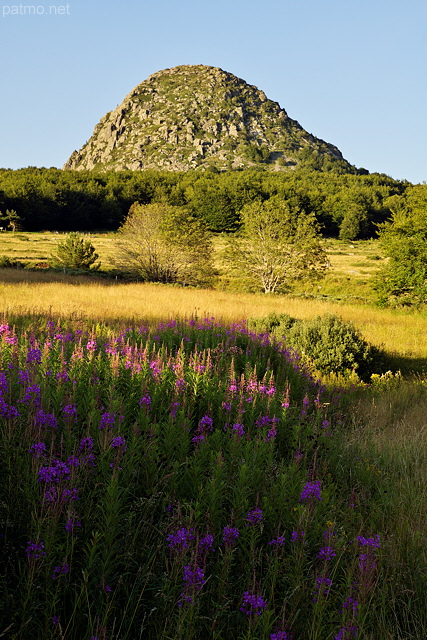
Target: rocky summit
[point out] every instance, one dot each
(199, 116)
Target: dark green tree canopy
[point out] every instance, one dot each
(403, 280)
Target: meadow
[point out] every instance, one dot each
(171, 475)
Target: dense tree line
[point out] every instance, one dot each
(345, 205)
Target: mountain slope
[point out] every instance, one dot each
(196, 115)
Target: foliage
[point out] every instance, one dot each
(163, 243)
(277, 245)
(12, 219)
(75, 253)
(175, 481)
(326, 343)
(93, 200)
(403, 280)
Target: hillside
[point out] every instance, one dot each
(199, 116)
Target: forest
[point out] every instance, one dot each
(347, 206)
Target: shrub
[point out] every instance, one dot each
(327, 343)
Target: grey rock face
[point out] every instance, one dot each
(195, 115)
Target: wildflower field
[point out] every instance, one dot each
(185, 481)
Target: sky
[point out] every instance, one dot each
(352, 72)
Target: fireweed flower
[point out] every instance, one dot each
(180, 539)
(70, 410)
(44, 420)
(38, 449)
(324, 584)
(119, 443)
(35, 550)
(350, 603)
(72, 523)
(346, 633)
(230, 535)
(194, 579)
(8, 410)
(34, 355)
(326, 553)
(311, 492)
(206, 543)
(206, 423)
(297, 535)
(238, 430)
(281, 635)
(23, 376)
(253, 604)
(374, 542)
(254, 516)
(60, 570)
(145, 400)
(55, 472)
(86, 444)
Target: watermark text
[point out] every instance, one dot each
(35, 10)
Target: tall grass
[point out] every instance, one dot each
(27, 292)
(180, 482)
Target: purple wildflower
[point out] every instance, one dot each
(206, 424)
(38, 449)
(73, 461)
(72, 523)
(253, 604)
(311, 491)
(35, 550)
(55, 620)
(346, 633)
(323, 583)
(55, 472)
(34, 355)
(281, 635)
(43, 420)
(119, 443)
(297, 535)
(145, 400)
(181, 538)
(107, 421)
(238, 429)
(24, 377)
(254, 516)
(206, 543)
(369, 542)
(326, 553)
(350, 603)
(230, 535)
(277, 542)
(194, 579)
(70, 409)
(60, 570)
(86, 444)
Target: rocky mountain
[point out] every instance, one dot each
(199, 116)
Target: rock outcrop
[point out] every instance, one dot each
(198, 116)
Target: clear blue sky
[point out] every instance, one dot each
(352, 72)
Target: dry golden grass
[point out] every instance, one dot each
(28, 292)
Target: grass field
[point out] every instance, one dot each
(73, 371)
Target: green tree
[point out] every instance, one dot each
(403, 280)
(12, 219)
(74, 253)
(163, 243)
(276, 246)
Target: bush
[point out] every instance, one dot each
(10, 263)
(75, 253)
(327, 343)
